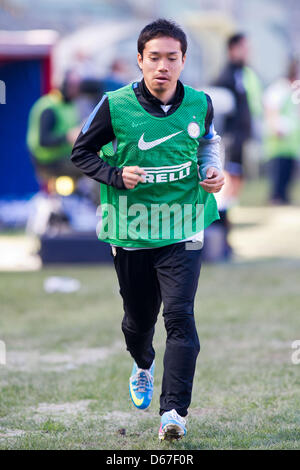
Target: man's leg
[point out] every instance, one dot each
(274, 167)
(178, 272)
(230, 193)
(287, 167)
(233, 168)
(140, 291)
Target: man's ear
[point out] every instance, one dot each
(183, 60)
(140, 61)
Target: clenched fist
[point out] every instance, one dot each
(132, 176)
(214, 180)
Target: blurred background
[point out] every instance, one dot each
(57, 58)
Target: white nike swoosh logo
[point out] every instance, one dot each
(142, 145)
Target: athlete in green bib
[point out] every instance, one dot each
(158, 168)
(52, 129)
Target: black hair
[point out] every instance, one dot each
(161, 28)
(235, 39)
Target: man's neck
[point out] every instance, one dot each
(166, 96)
(237, 63)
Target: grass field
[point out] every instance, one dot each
(65, 384)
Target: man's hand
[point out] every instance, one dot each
(214, 180)
(72, 134)
(132, 176)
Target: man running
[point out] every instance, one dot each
(162, 137)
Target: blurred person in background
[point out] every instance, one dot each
(245, 86)
(117, 76)
(52, 130)
(282, 134)
(91, 91)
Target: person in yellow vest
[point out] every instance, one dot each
(52, 130)
(282, 134)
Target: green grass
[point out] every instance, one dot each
(255, 192)
(65, 385)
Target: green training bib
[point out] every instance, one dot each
(169, 205)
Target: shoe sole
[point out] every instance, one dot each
(171, 432)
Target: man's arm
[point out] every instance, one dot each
(209, 162)
(209, 144)
(97, 132)
(225, 79)
(47, 137)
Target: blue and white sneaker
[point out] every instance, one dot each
(141, 386)
(172, 426)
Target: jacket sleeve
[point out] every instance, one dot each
(209, 144)
(96, 132)
(47, 136)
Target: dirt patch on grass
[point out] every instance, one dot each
(71, 412)
(122, 418)
(60, 362)
(65, 413)
(4, 433)
(58, 409)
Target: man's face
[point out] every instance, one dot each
(71, 86)
(240, 52)
(161, 63)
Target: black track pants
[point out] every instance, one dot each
(147, 278)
